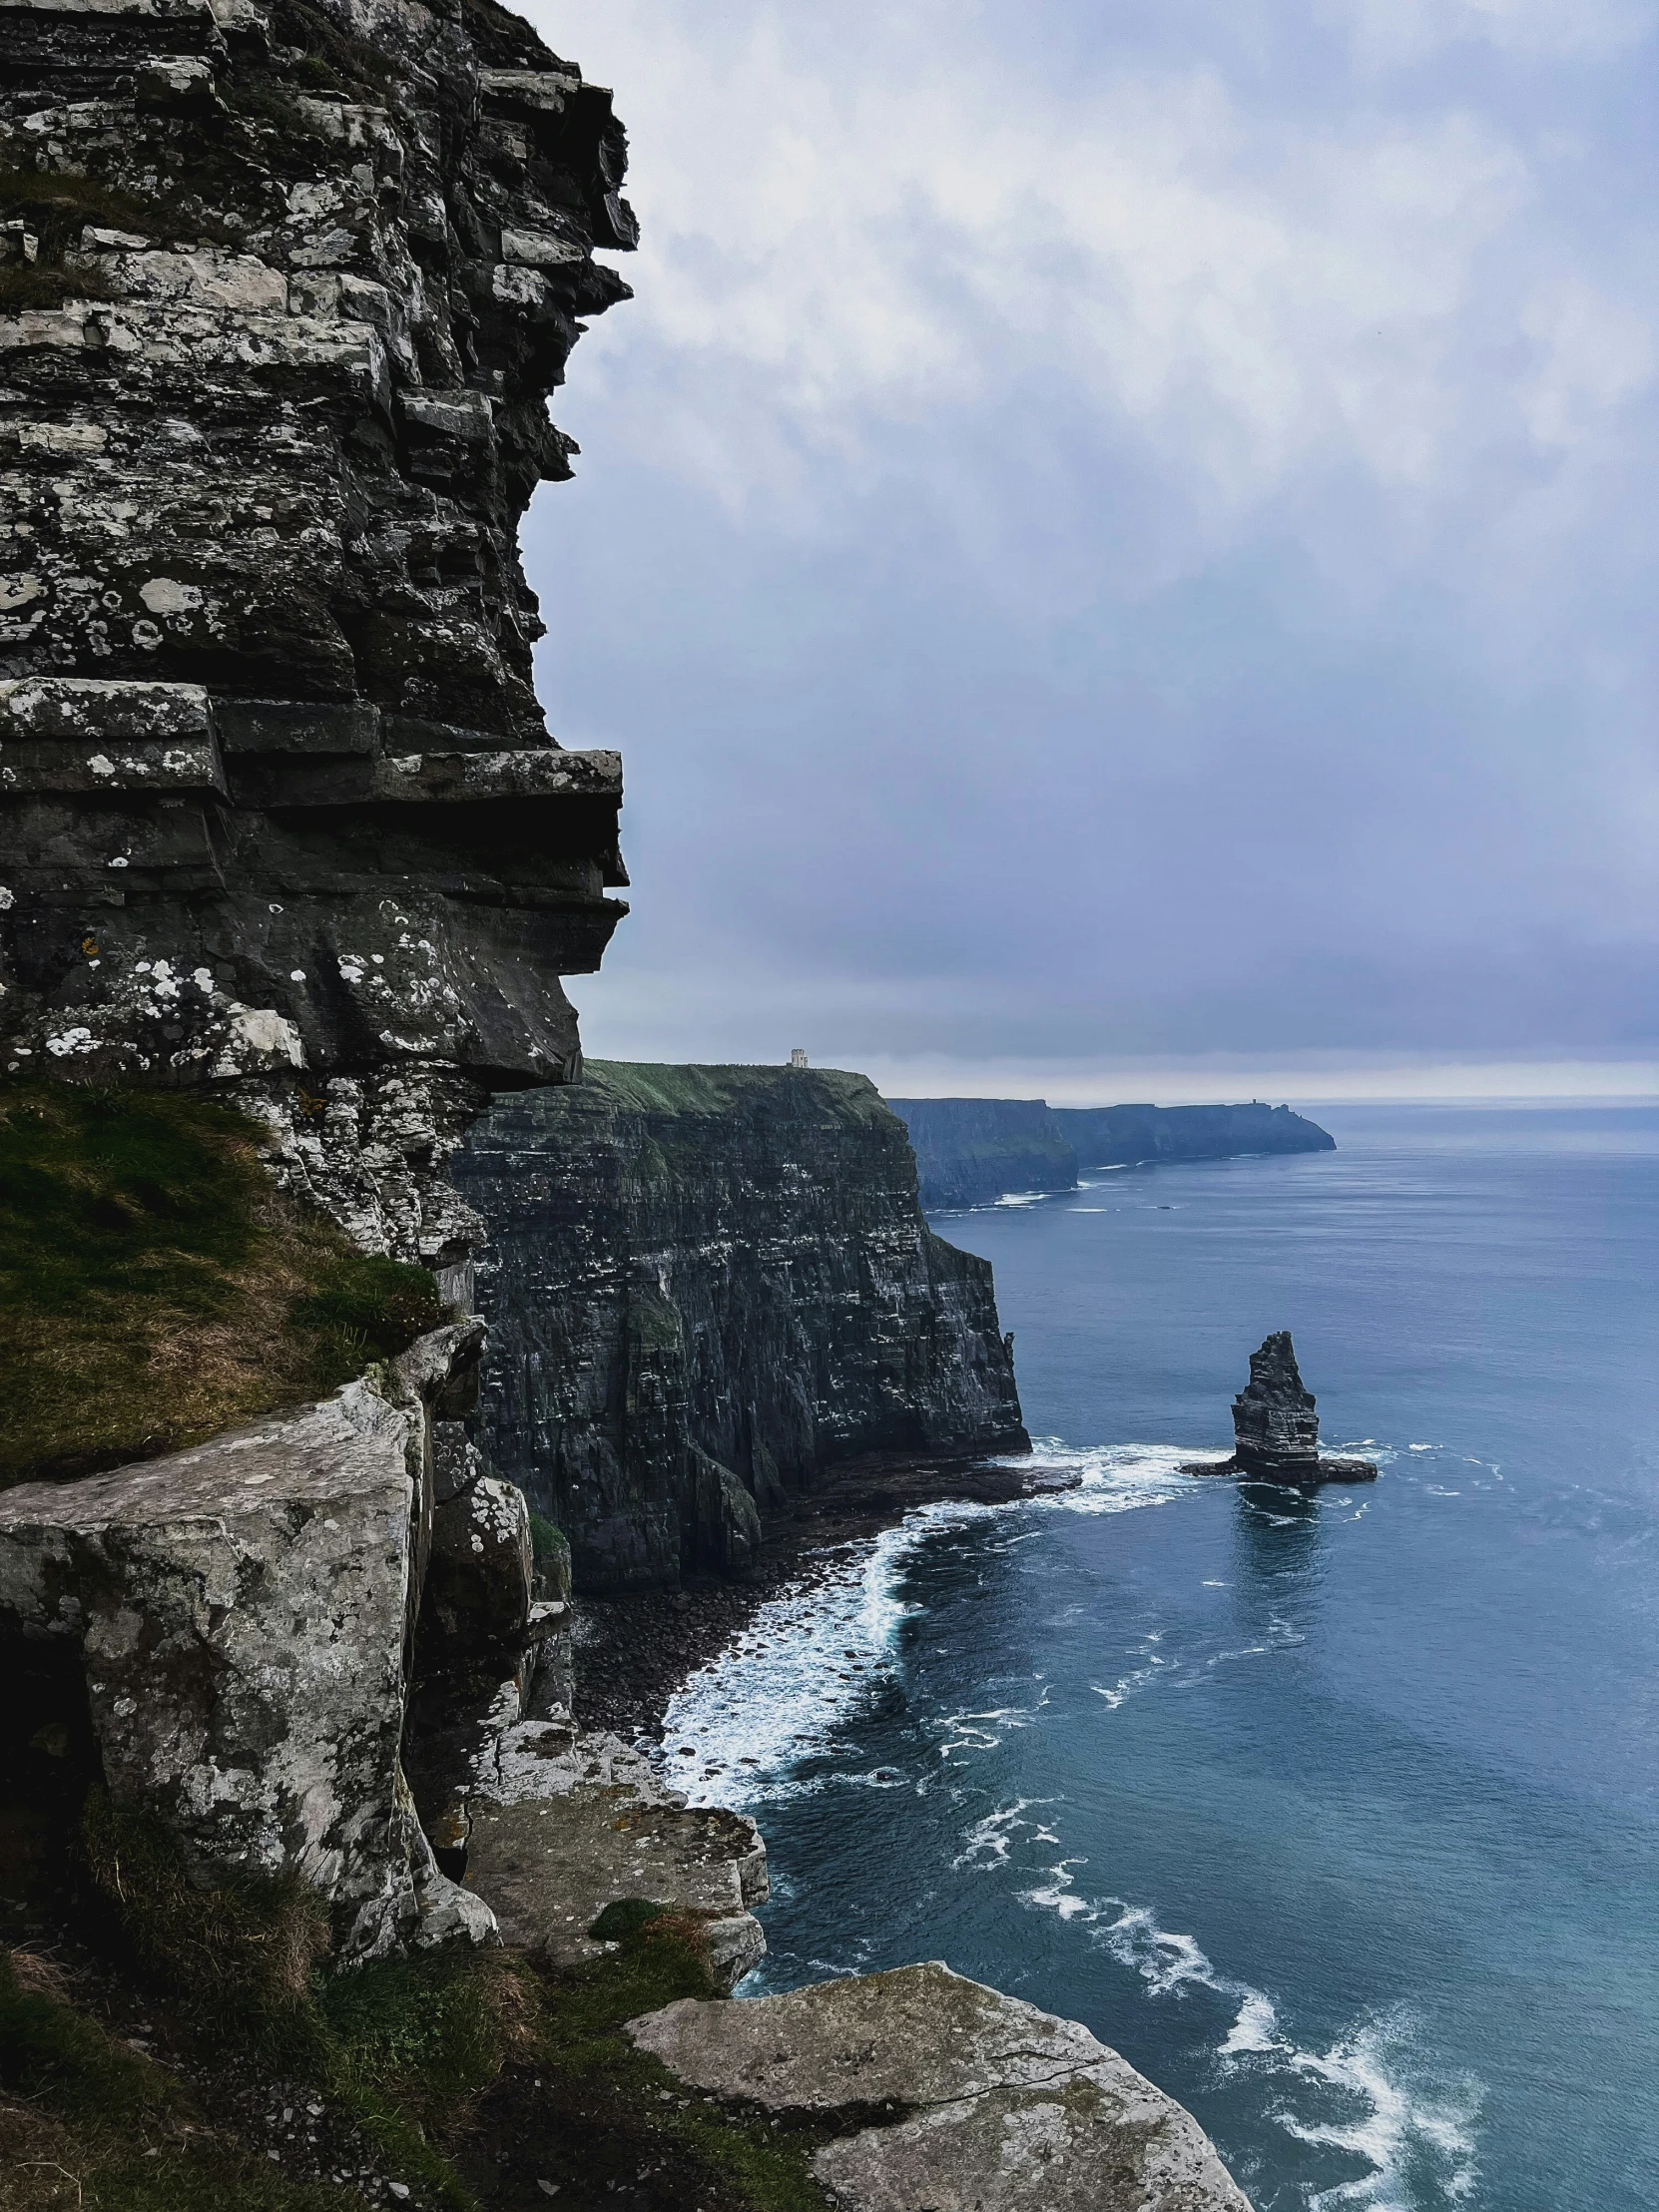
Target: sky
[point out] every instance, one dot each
(1118, 543)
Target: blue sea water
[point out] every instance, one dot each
(1339, 1816)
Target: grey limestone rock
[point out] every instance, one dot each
(946, 2096)
(704, 1287)
(276, 798)
(242, 1614)
(559, 1823)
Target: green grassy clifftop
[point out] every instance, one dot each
(155, 1288)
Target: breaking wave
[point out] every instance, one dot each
(826, 1645)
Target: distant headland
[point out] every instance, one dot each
(971, 1151)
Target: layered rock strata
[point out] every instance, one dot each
(1276, 1424)
(706, 1285)
(283, 294)
(941, 2096)
(284, 289)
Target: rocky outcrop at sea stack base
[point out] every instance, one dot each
(1276, 1426)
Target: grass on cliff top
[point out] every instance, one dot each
(649, 1086)
(155, 1288)
(471, 2078)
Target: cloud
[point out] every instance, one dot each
(881, 235)
(1132, 528)
(1389, 34)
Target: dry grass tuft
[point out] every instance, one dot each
(242, 1949)
(155, 1288)
(39, 1974)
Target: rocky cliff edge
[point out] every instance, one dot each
(284, 289)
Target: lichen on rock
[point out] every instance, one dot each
(242, 1616)
(938, 2095)
(276, 791)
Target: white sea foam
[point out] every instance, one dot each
(1373, 2096)
(1126, 1685)
(1256, 2028)
(1118, 1478)
(825, 1645)
(987, 1842)
(963, 1731)
(1402, 2127)
(1413, 2129)
(810, 1655)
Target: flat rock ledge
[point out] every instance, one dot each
(565, 1822)
(948, 2096)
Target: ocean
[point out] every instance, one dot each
(1338, 1815)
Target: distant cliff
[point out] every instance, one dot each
(705, 1285)
(971, 1151)
(1111, 1136)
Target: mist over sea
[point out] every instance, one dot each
(1339, 1816)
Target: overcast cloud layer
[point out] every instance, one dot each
(1118, 542)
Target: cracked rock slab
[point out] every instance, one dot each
(980, 2102)
(548, 1851)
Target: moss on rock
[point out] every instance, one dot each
(470, 2080)
(155, 1288)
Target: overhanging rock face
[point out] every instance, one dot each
(283, 294)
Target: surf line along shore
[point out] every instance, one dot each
(921, 2089)
(636, 1649)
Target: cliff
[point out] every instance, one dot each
(969, 1151)
(1114, 1136)
(705, 1285)
(972, 1151)
(284, 288)
(283, 291)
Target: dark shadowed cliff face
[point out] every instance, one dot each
(285, 287)
(1112, 1136)
(969, 1151)
(706, 1285)
(972, 1151)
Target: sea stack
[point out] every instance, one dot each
(1276, 1429)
